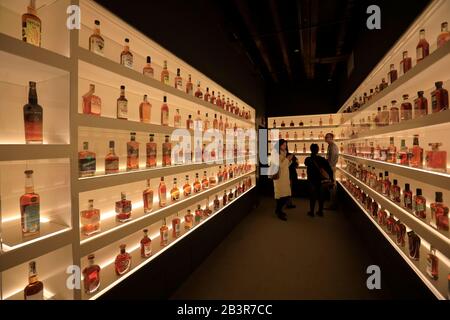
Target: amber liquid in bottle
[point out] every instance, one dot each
(406, 109)
(33, 117)
(148, 69)
(146, 245)
(145, 111)
(162, 193)
(175, 192)
(86, 161)
(151, 152)
(444, 36)
(35, 288)
(123, 209)
(416, 154)
(147, 196)
(123, 261)
(126, 57)
(178, 80)
(132, 153)
(164, 113)
(122, 105)
(188, 220)
(90, 220)
(31, 25)
(423, 47)
(91, 275)
(439, 98)
(30, 207)
(166, 152)
(189, 86)
(96, 41)
(420, 208)
(420, 105)
(111, 160)
(164, 234)
(92, 104)
(436, 159)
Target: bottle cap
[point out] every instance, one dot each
(407, 186)
(97, 22)
(419, 192)
(438, 84)
(122, 87)
(145, 231)
(395, 182)
(127, 40)
(149, 60)
(165, 99)
(111, 144)
(122, 247)
(405, 96)
(91, 256)
(420, 93)
(439, 196)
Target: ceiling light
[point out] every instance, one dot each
(296, 50)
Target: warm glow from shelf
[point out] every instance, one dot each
(17, 217)
(48, 295)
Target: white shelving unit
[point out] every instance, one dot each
(62, 67)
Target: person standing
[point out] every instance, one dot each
(333, 158)
(281, 181)
(319, 173)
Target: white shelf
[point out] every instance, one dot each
(427, 232)
(435, 66)
(119, 231)
(104, 181)
(307, 140)
(122, 71)
(11, 152)
(108, 274)
(412, 264)
(430, 120)
(437, 179)
(307, 127)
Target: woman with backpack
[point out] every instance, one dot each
(320, 176)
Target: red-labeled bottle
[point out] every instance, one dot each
(420, 208)
(444, 36)
(176, 227)
(406, 63)
(91, 276)
(407, 197)
(123, 208)
(439, 98)
(123, 261)
(395, 192)
(423, 47)
(146, 245)
(439, 212)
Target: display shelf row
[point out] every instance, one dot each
(431, 235)
(120, 70)
(34, 152)
(108, 274)
(118, 231)
(438, 179)
(436, 287)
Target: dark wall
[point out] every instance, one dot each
(192, 31)
(371, 45)
(309, 97)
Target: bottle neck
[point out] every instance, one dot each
(122, 93)
(97, 31)
(32, 96)
(29, 186)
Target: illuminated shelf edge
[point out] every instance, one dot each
(307, 127)
(118, 232)
(12, 152)
(437, 179)
(163, 249)
(422, 277)
(426, 231)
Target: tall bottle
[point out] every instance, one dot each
(165, 74)
(164, 112)
(146, 245)
(162, 193)
(420, 105)
(439, 98)
(86, 161)
(148, 69)
(406, 109)
(406, 63)
(167, 152)
(122, 105)
(178, 80)
(126, 57)
(188, 220)
(145, 110)
(96, 41)
(151, 149)
(407, 197)
(33, 117)
(90, 219)
(31, 25)
(123, 208)
(199, 93)
(392, 151)
(30, 207)
(177, 119)
(197, 185)
(91, 275)
(423, 47)
(92, 104)
(393, 74)
(147, 196)
(187, 188)
(35, 288)
(416, 154)
(176, 227)
(207, 95)
(164, 234)
(439, 212)
(111, 160)
(420, 204)
(189, 86)
(175, 192)
(394, 115)
(132, 153)
(432, 264)
(444, 36)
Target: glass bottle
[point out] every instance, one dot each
(198, 124)
(92, 104)
(330, 120)
(304, 148)
(122, 105)
(30, 207)
(86, 161)
(145, 110)
(126, 57)
(96, 41)
(147, 196)
(123, 208)
(164, 234)
(206, 124)
(439, 98)
(439, 212)
(218, 100)
(386, 184)
(406, 109)
(188, 220)
(394, 114)
(205, 181)
(111, 160)
(213, 98)
(198, 214)
(35, 288)
(215, 123)
(91, 276)
(444, 36)
(423, 47)
(162, 193)
(33, 117)
(395, 192)
(176, 227)
(420, 208)
(198, 93)
(197, 185)
(432, 264)
(224, 198)
(212, 180)
(392, 152)
(207, 212)
(189, 86)
(146, 245)
(400, 232)
(383, 84)
(216, 203)
(379, 186)
(393, 74)
(123, 261)
(207, 95)
(178, 80)
(406, 63)
(420, 105)
(165, 78)
(166, 152)
(90, 219)
(175, 192)
(436, 159)
(414, 245)
(132, 153)
(164, 112)
(403, 155)
(187, 188)
(151, 152)
(230, 195)
(148, 69)
(177, 119)
(31, 25)
(416, 154)
(407, 197)
(190, 123)
(384, 116)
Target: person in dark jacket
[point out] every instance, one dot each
(314, 163)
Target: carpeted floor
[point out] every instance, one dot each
(303, 258)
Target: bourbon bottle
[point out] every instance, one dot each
(216, 203)
(30, 207)
(420, 105)
(123, 261)
(394, 114)
(420, 208)
(147, 196)
(123, 209)
(151, 149)
(178, 80)
(96, 41)
(189, 86)
(177, 119)
(444, 36)
(432, 264)
(146, 245)
(165, 74)
(439, 213)
(197, 185)
(35, 288)
(198, 214)
(92, 104)
(176, 227)
(132, 153)
(199, 93)
(164, 234)
(162, 193)
(164, 112)
(126, 57)
(187, 188)
(406, 109)
(393, 74)
(31, 25)
(111, 160)
(205, 181)
(423, 47)
(207, 95)
(167, 152)
(175, 192)
(395, 192)
(436, 159)
(406, 63)
(148, 69)
(407, 197)
(33, 117)
(90, 220)
(188, 220)
(416, 154)
(91, 276)
(86, 161)
(439, 98)
(145, 111)
(122, 105)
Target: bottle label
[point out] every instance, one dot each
(36, 296)
(419, 53)
(148, 72)
(127, 60)
(87, 164)
(179, 84)
(148, 249)
(123, 207)
(133, 151)
(96, 105)
(165, 235)
(31, 31)
(33, 125)
(148, 201)
(420, 207)
(167, 153)
(111, 165)
(97, 45)
(31, 217)
(93, 277)
(166, 79)
(187, 190)
(165, 117)
(123, 265)
(122, 109)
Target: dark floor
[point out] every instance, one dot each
(303, 258)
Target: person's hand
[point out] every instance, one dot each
(289, 157)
